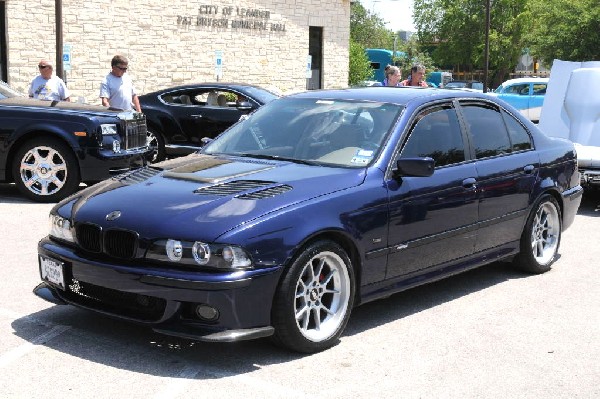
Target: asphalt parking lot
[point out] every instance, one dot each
(488, 333)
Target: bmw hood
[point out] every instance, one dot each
(203, 195)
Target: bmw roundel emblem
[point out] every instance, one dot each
(113, 215)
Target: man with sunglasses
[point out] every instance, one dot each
(116, 89)
(47, 86)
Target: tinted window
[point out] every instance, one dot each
(519, 137)
(488, 132)
(436, 134)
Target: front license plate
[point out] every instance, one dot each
(52, 271)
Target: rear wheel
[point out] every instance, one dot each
(45, 170)
(541, 237)
(314, 300)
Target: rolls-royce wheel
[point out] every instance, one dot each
(45, 170)
(314, 300)
(541, 237)
(155, 141)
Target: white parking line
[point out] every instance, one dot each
(24, 349)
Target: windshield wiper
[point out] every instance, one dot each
(277, 158)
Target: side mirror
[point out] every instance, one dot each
(416, 167)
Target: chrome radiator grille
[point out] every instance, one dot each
(134, 126)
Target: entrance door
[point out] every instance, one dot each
(315, 50)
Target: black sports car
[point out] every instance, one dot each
(48, 147)
(179, 117)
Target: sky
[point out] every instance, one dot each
(397, 13)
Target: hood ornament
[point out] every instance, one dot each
(113, 215)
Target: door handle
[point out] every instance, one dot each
(197, 116)
(470, 183)
(528, 169)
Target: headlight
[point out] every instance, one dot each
(219, 256)
(60, 228)
(108, 129)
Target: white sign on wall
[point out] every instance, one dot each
(219, 63)
(66, 57)
(309, 67)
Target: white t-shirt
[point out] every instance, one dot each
(119, 91)
(51, 89)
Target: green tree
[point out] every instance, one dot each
(565, 30)
(360, 67)
(456, 30)
(368, 29)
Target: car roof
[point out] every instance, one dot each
(525, 80)
(394, 95)
(213, 85)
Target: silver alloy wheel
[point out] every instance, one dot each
(152, 142)
(545, 233)
(322, 296)
(43, 170)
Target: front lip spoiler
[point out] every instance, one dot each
(216, 336)
(188, 331)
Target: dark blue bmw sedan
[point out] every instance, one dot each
(316, 203)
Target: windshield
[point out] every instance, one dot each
(6, 91)
(315, 131)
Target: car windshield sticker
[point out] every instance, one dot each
(362, 157)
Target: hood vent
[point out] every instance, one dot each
(266, 193)
(258, 189)
(137, 175)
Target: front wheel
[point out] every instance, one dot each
(156, 143)
(541, 237)
(314, 299)
(45, 170)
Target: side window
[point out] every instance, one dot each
(539, 89)
(488, 132)
(519, 137)
(436, 134)
(520, 89)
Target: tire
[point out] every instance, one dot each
(45, 170)
(155, 140)
(314, 299)
(541, 237)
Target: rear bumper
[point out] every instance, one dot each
(163, 299)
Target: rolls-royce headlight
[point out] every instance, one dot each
(108, 129)
(198, 253)
(61, 228)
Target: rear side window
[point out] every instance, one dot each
(487, 129)
(436, 134)
(519, 137)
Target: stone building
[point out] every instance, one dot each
(286, 45)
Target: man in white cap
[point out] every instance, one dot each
(47, 86)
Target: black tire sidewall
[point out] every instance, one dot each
(72, 180)
(287, 333)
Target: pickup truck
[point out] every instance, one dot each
(48, 148)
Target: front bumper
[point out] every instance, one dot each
(164, 299)
(97, 165)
